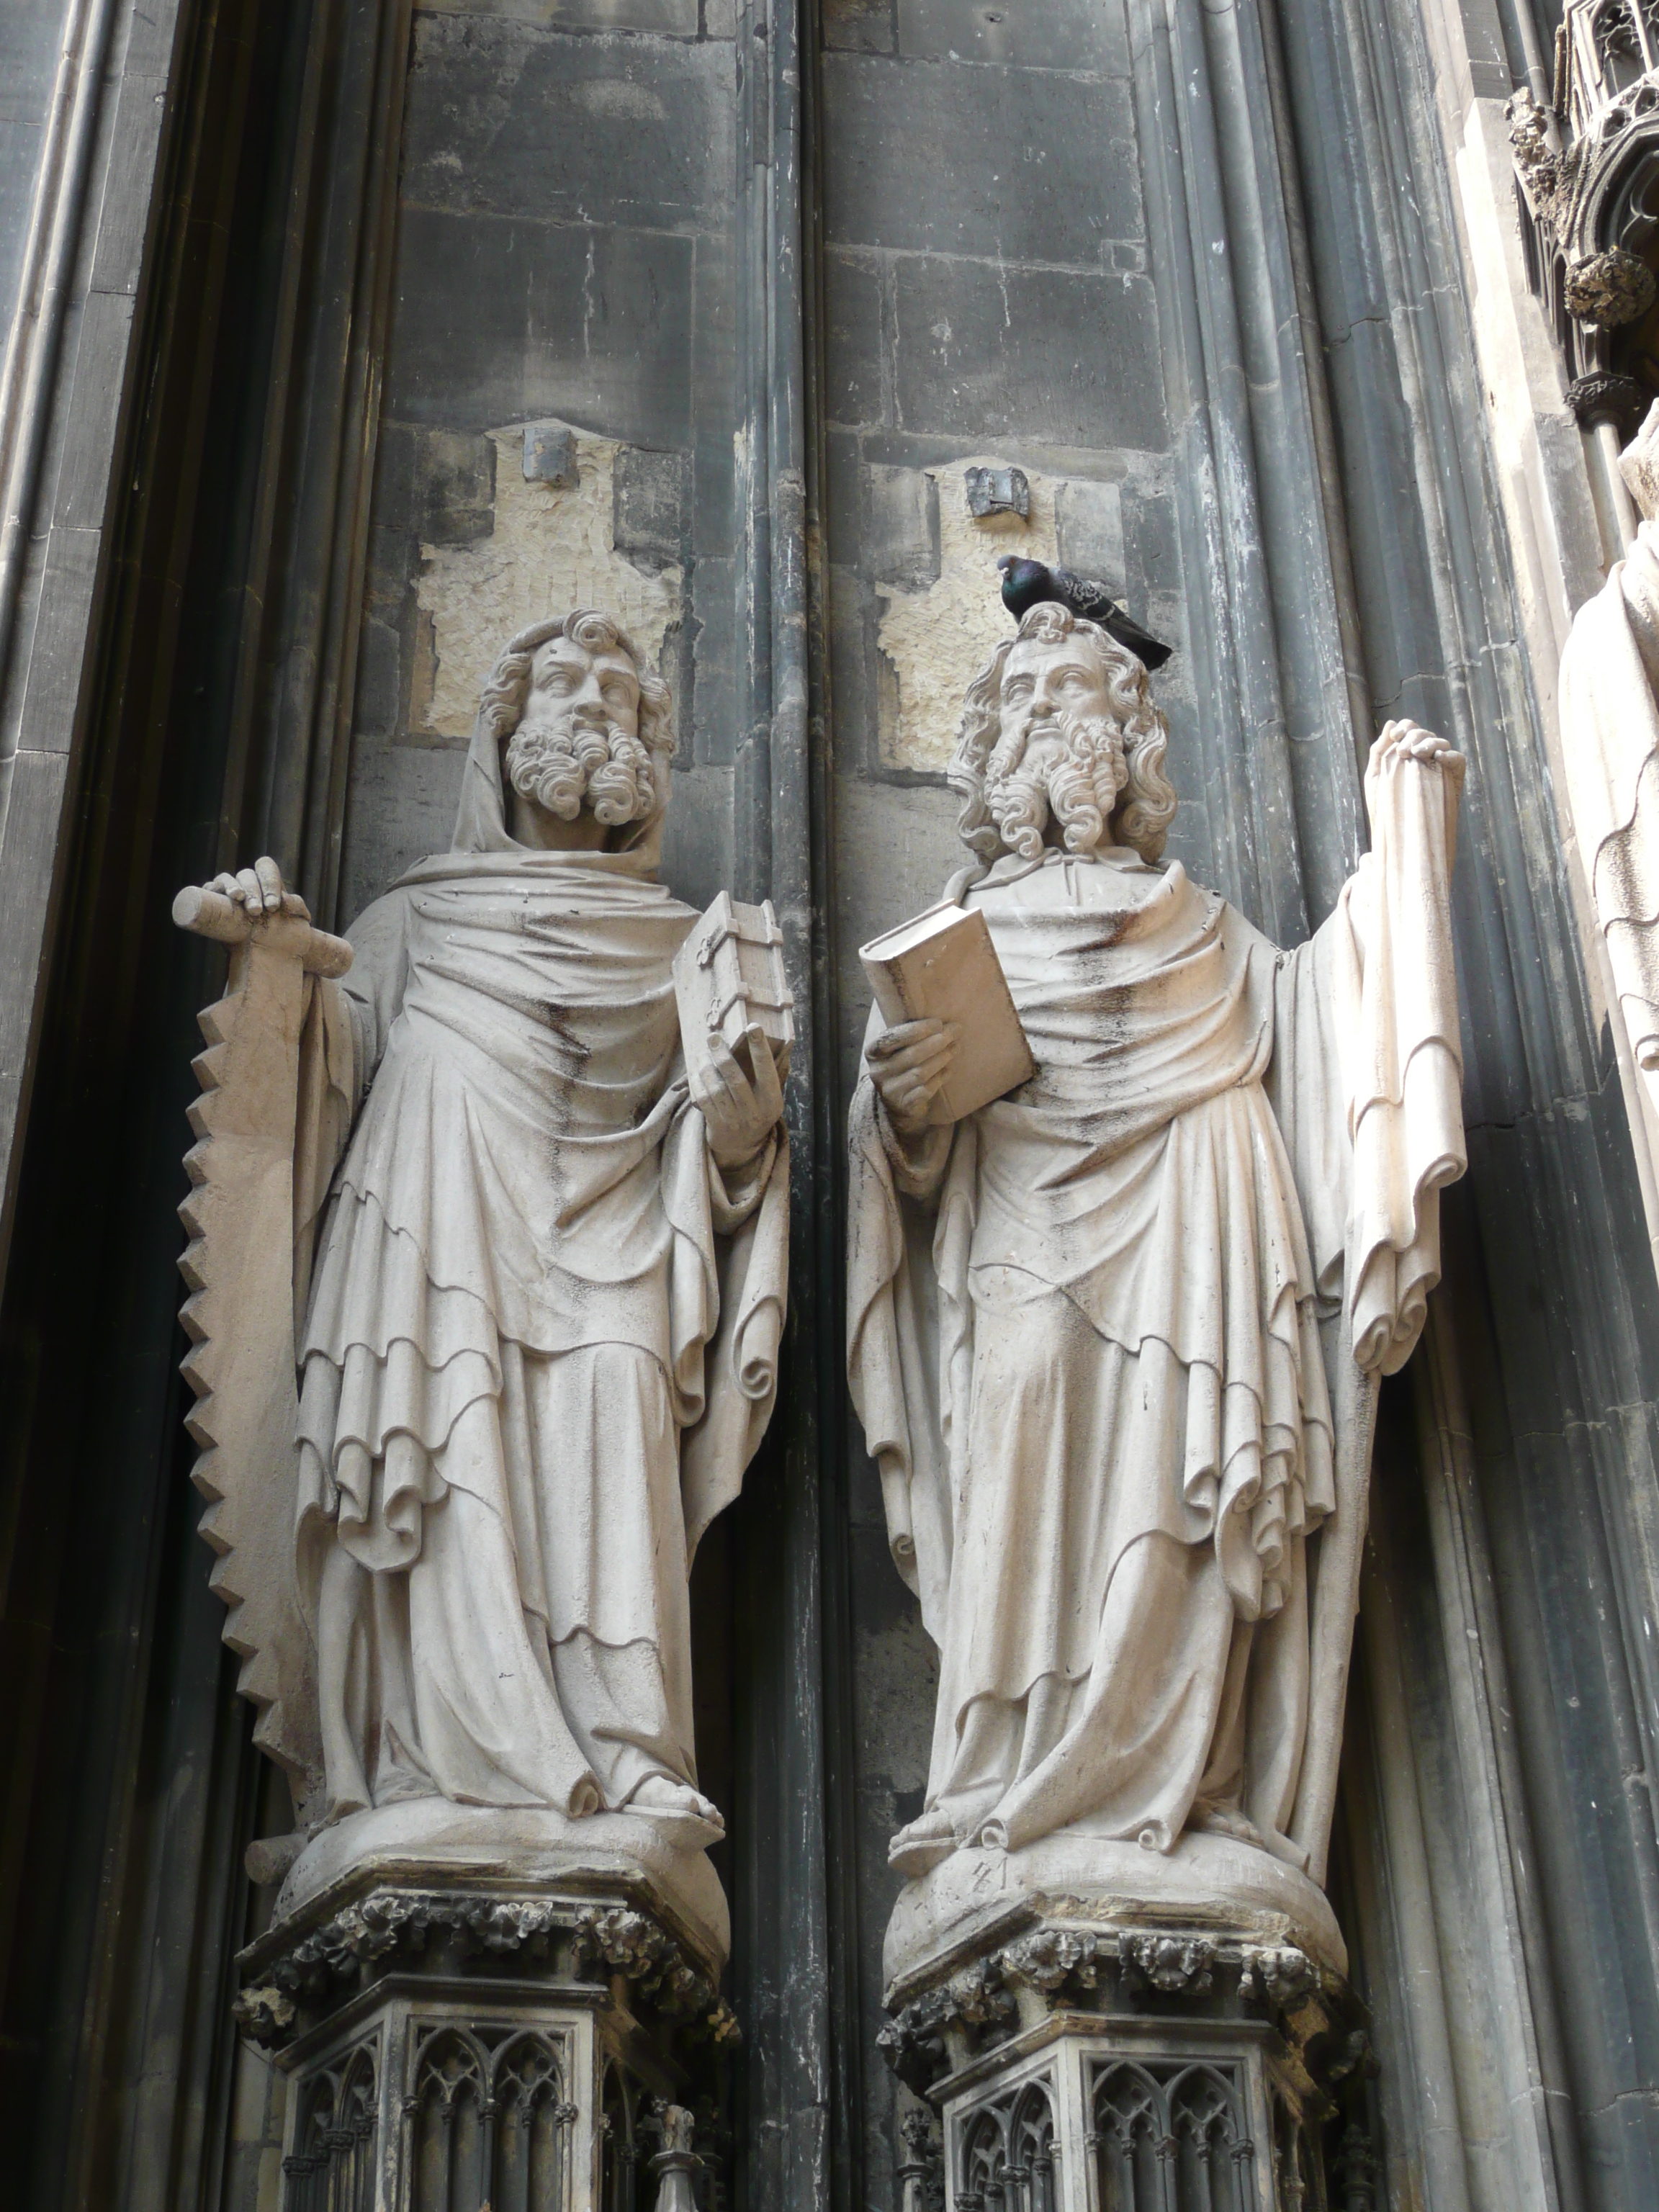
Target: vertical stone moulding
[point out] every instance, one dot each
(450, 2051)
(1078, 2070)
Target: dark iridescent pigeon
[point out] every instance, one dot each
(1026, 583)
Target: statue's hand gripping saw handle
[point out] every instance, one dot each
(210, 913)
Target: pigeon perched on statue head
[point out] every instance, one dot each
(1027, 584)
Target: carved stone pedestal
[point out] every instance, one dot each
(460, 2047)
(1077, 2069)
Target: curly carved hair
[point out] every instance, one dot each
(1145, 806)
(507, 688)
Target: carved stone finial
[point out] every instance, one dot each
(676, 2163)
(917, 2130)
(1357, 2169)
(919, 2171)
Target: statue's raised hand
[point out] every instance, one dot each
(255, 902)
(1410, 741)
(1398, 742)
(907, 1063)
(260, 890)
(739, 1112)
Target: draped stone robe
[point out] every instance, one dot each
(1085, 1334)
(1610, 750)
(540, 1344)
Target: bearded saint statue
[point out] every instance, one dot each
(1114, 1338)
(539, 1345)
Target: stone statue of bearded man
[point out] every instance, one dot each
(539, 1343)
(1113, 1338)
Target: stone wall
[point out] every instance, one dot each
(1203, 275)
(563, 262)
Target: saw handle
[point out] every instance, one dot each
(210, 913)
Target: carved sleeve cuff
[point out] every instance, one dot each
(734, 1193)
(917, 1162)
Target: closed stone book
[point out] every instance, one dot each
(943, 965)
(729, 980)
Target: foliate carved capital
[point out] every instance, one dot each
(651, 1962)
(396, 1926)
(1052, 1956)
(265, 2015)
(1537, 164)
(1280, 1976)
(1605, 398)
(1056, 1968)
(1174, 1963)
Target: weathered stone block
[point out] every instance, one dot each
(713, 661)
(696, 849)
(1054, 175)
(1151, 554)
(843, 495)
(649, 496)
(851, 609)
(508, 120)
(713, 482)
(852, 338)
(385, 582)
(402, 806)
(902, 542)
(453, 486)
(678, 17)
(1089, 525)
(1051, 356)
(499, 321)
(394, 475)
(931, 635)
(858, 27)
(379, 679)
(1061, 35)
(550, 549)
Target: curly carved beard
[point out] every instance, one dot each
(1079, 786)
(559, 769)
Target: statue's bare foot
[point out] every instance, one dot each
(1227, 1821)
(660, 1796)
(918, 1849)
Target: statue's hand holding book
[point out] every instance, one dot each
(737, 1024)
(953, 1041)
